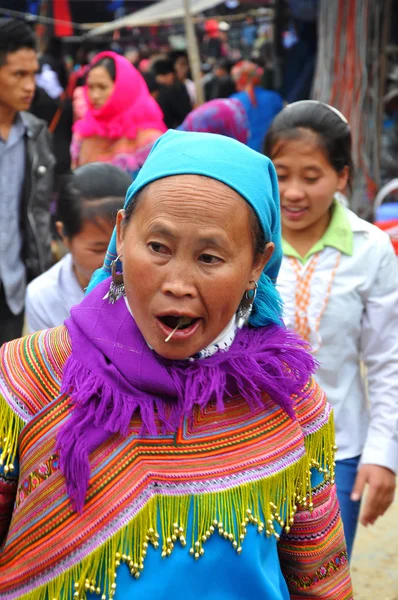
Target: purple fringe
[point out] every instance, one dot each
(269, 360)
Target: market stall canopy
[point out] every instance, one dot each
(166, 10)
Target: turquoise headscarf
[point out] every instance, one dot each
(249, 173)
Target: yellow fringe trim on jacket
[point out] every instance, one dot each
(269, 505)
(10, 428)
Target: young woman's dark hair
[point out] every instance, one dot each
(14, 35)
(92, 192)
(328, 124)
(108, 64)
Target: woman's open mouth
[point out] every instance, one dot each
(178, 327)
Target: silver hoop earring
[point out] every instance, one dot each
(116, 289)
(246, 307)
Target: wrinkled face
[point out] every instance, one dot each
(100, 86)
(187, 254)
(88, 248)
(307, 182)
(17, 79)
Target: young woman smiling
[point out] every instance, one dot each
(175, 441)
(339, 283)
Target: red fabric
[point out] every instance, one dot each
(247, 76)
(129, 108)
(211, 28)
(63, 20)
(390, 227)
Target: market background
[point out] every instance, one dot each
(344, 52)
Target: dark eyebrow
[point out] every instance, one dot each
(98, 244)
(24, 72)
(313, 168)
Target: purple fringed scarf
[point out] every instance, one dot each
(112, 373)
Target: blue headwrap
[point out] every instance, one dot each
(249, 173)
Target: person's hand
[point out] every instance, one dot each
(381, 482)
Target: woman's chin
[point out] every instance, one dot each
(171, 353)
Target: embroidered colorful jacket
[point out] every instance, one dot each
(234, 505)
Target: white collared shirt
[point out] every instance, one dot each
(359, 323)
(50, 296)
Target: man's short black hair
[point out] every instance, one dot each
(163, 66)
(14, 35)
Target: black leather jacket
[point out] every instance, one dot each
(36, 197)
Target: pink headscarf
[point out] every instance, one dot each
(129, 108)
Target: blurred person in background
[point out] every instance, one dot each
(223, 116)
(133, 55)
(249, 35)
(180, 62)
(87, 205)
(213, 47)
(26, 177)
(77, 76)
(52, 68)
(152, 84)
(173, 97)
(121, 117)
(58, 113)
(261, 105)
(221, 85)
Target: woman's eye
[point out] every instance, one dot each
(282, 177)
(311, 179)
(209, 259)
(158, 248)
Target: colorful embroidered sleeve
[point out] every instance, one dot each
(26, 385)
(312, 549)
(313, 553)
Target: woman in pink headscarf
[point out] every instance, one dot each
(121, 117)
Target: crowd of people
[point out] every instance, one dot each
(217, 321)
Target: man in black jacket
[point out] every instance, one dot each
(173, 97)
(26, 177)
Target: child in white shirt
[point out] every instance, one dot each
(86, 211)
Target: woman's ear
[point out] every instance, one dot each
(343, 178)
(120, 227)
(261, 260)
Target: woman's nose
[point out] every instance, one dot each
(178, 282)
(292, 192)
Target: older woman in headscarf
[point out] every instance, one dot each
(170, 437)
(261, 105)
(121, 116)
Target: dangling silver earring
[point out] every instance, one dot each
(246, 307)
(116, 290)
